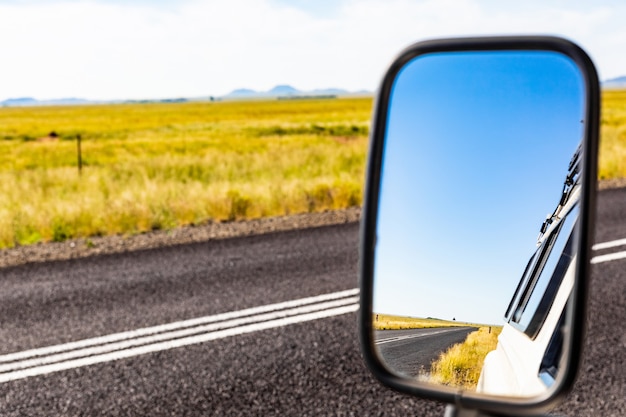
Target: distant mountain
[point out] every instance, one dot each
(289, 91)
(65, 101)
(279, 90)
(29, 101)
(283, 90)
(20, 101)
(242, 92)
(619, 82)
(329, 91)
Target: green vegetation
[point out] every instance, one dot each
(461, 364)
(391, 322)
(159, 166)
(612, 162)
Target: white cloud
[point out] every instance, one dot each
(107, 50)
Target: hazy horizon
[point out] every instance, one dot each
(139, 49)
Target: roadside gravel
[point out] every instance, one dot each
(80, 248)
(612, 183)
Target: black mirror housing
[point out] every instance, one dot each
(373, 235)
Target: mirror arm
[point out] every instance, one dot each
(453, 411)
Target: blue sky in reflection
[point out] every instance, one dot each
(477, 149)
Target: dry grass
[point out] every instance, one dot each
(391, 322)
(461, 364)
(160, 166)
(612, 163)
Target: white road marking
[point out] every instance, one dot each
(412, 336)
(125, 344)
(168, 336)
(131, 343)
(174, 326)
(611, 244)
(608, 257)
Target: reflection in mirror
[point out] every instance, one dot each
(479, 147)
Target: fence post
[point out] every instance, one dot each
(80, 156)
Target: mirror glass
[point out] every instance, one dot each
(477, 219)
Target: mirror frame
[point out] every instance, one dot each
(577, 306)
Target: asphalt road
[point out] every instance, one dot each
(411, 352)
(312, 367)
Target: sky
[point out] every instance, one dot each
(142, 49)
(476, 151)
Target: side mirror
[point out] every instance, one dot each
(469, 293)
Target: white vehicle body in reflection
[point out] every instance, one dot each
(526, 359)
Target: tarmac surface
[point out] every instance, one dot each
(306, 368)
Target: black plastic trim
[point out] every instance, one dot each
(545, 304)
(521, 284)
(577, 306)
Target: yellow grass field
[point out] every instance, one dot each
(612, 162)
(163, 165)
(391, 322)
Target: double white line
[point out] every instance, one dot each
(172, 335)
(410, 336)
(111, 347)
(609, 256)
